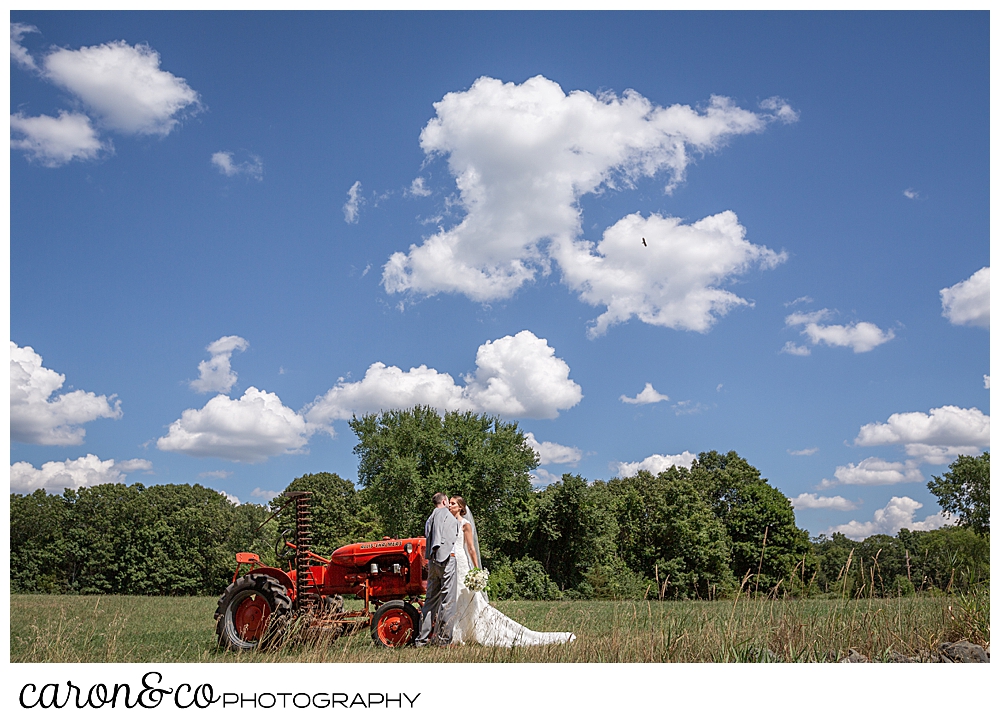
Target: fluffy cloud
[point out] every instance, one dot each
(552, 453)
(418, 187)
(36, 417)
(522, 157)
(254, 167)
(260, 494)
(810, 501)
(795, 350)
(945, 427)
(912, 194)
(73, 474)
(123, 86)
(54, 142)
(861, 337)
(215, 374)
(354, 201)
(968, 302)
(874, 471)
(986, 381)
(249, 429)
(803, 452)
(673, 281)
(656, 463)
(18, 53)
(543, 478)
(516, 376)
(215, 474)
(648, 395)
(891, 519)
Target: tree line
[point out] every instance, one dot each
(699, 533)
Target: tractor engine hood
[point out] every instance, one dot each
(361, 553)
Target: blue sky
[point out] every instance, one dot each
(231, 231)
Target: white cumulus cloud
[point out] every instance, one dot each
(891, 519)
(803, 452)
(656, 463)
(541, 477)
(260, 494)
(522, 157)
(861, 337)
(249, 429)
(55, 142)
(795, 350)
(968, 302)
(874, 471)
(123, 86)
(516, 376)
(648, 395)
(354, 201)
(674, 281)
(253, 167)
(215, 374)
(18, 53)
(944, 428)
(419, 188)
(810, 501)
(986, 381)
(73, 473)
(939, 453)
(552, 453)
(36, 417)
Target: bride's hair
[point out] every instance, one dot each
(461, 504)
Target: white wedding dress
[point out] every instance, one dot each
(476, 621)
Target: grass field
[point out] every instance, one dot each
(71, 629)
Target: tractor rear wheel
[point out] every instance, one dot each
(395, 624)
(250, 612)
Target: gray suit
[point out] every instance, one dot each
(441, 531)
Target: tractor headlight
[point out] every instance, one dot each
(374, 568)
(408, 547)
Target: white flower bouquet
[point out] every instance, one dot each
(476, 579)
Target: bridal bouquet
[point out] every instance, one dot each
(476, 579)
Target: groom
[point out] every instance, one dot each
(441, 531)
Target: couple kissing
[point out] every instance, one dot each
(454, 613)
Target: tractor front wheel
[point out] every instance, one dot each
(249, 611)
(395, 624)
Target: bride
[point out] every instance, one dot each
(475, 619)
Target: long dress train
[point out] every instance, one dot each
(477, 621)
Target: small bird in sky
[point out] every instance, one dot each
(644, 242)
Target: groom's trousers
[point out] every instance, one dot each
(439, 605)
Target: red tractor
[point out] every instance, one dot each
(389, 575)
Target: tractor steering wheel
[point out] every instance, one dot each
(281, 549)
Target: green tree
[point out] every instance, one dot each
(340, 514)
(129, 540)
(574, 530)
(760, 521)
(405, 456)
(669, 534)
(964, 491)
(37, 543)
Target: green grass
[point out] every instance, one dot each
(72, 629)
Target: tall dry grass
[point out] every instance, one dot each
(746, 629)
